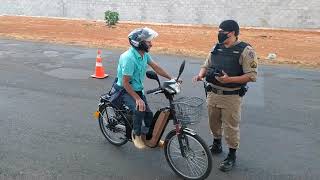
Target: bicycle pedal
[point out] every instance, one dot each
(161, 144)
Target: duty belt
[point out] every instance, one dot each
(221, 92)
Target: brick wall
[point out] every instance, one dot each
(257, 13)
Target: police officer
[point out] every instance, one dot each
(228, 68)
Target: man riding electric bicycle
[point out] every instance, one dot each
(122, 110)
(131, 74)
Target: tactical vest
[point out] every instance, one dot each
(227, 59)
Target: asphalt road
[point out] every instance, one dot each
(47, 130)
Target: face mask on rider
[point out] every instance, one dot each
(222, 37)
(145, 46)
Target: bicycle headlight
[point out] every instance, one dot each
(172, 86)
(176, 87)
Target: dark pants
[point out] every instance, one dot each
(139, 116)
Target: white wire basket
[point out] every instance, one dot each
(189, 109)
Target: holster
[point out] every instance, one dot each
(243, 90)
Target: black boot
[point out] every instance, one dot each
(229, 162)
(216, 147)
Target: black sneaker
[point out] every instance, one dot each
(227, 164)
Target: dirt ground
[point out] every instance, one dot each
(298, 47)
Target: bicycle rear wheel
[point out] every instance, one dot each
(197, 161)
(113, 125)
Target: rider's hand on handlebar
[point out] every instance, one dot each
(179, 80)
(197, 78)
(140, 106)
(175, 80)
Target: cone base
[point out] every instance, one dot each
(104, 76)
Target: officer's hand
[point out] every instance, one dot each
(196, 78)
(140, 106)
(223, 79)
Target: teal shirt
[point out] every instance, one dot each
(132, 64)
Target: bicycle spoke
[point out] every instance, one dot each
(201, 150)
(176, 156)
(176, 147)
(199, 162)
(176, 153)
(200, 158)
(196, 168)
(191, 168)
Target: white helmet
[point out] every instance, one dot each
(138, 36)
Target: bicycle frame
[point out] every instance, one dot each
(160, 122)
(160, 119)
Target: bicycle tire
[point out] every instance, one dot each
(203, 145)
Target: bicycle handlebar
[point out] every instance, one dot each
(154, 90)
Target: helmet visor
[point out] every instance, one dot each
(143, 34)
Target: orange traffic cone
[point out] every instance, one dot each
(99, 72)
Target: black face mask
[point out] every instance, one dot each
(143, 46)
(222, 37)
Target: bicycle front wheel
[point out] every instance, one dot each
(196, 160)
